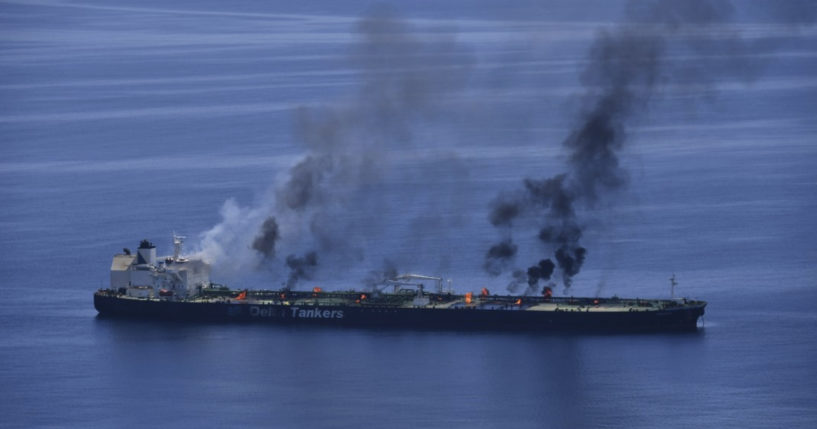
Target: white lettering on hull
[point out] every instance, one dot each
(298, 313)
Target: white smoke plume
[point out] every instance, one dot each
(327, 206)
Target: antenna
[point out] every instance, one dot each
(672, 284)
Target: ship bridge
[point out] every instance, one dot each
(144, 275)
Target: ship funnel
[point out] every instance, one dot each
(146, 254)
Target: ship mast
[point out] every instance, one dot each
(178, 244)
(672, 284)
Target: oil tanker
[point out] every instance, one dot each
(176, 288)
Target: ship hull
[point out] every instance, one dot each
(682, 318)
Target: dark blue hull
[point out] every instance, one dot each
(682, 318)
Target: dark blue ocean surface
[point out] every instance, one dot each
(132, 120)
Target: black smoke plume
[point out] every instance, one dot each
(541, 271)
(519, 278)
(378, 277)
(570, 261)
(625, 66)
(504, 210)
(302, 267)
(404, 75)
(499, 256)
(267, 236)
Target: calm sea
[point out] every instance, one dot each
(128, 120)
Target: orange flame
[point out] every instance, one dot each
(362, 296)
(485, 292)
(468, 297)
(242, 295)
(316, 289)
(519, 301)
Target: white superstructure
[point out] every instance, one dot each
(144, 275)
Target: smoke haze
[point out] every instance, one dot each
(328, 205)
(625, 68)
(327, 209)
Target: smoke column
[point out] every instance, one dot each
(498, 257)
(264, 242)
(325, 207)
(624, 68)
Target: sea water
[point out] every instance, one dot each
(131, 120)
